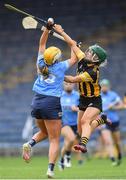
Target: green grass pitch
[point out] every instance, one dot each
(16, 168)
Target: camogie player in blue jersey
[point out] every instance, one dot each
(111, 134)
(46, 107)
(69, 104)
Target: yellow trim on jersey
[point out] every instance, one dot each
(88, 89)
(96, 87)
(96, 90)
(80, 54)
(81, 88)
(85, 77)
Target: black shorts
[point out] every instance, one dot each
(85, 102)
(114, 127)
(46, 107)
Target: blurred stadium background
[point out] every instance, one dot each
(88, 21)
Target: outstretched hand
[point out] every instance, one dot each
(58, 28)
(50, 23)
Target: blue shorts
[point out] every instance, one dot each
(73, 127)
(46, 107)
(114, 127)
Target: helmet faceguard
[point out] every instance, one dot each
(96, 54)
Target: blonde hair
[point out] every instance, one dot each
(43, 71)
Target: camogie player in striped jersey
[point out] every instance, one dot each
(90, 104)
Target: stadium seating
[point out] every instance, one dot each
(15, 106)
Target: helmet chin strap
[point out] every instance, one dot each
(88, 61)
(91, 62)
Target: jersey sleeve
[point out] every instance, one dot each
(80, 54)
(40, 60)
(64, 65)
(117, 98)
(90, 76)
(85, 77)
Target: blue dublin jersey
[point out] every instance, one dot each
(110, 98)
(68, 100)
(52, 86)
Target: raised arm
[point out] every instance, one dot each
(43, 41)
(58, 28)
(73, 59)
(80, 54)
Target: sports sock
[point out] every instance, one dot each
(62, 160)
(32, 142)
(119, 156)
(80, 162)
(112, 159)
(100, 121)
(51, 166)
(83, 141)
(68, 155)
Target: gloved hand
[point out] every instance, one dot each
(50, 23)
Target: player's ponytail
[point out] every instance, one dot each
(44, 71)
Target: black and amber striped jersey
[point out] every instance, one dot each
(89, 87)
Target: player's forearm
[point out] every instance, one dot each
(79, 53)
(68, 39)
(58, 28)
(44, 38)
(118, 107)
(73, 58)
(69, 79)
(73, 79)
